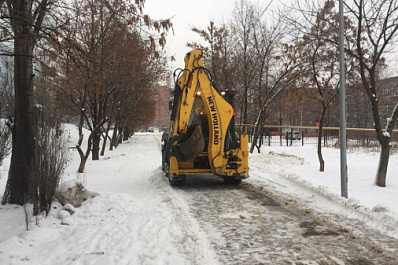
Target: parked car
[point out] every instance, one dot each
(294, 135)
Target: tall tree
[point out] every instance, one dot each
(26, 21)
(283, 76)
(246, 16)
(219, 55)
(376, 24)
(321, 59)
(267, 64)
(213, 53)
(107, 61)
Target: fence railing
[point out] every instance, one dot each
(273, 135)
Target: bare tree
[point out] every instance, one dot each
(107, 62)
(214, 55)
(376, 24)
(6, 86)
(283, 77)
(5, 141)
(321, 59)
(273, 62)
(51, 159)
(219, 55)
(25, 21)
(246, 17)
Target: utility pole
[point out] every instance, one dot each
(343, 138)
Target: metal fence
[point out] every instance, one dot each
(306, 135)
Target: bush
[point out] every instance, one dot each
(51, 158)
(5, 141)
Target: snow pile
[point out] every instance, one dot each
(65, 214)
(73, 192)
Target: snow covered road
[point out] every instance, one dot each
(245, 226)
(137, 218)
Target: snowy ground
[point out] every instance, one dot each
(299, 166)
(137, 218)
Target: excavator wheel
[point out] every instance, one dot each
(177, 180)
(232, 180)
(165, 168)
(165, 162)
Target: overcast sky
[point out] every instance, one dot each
(189, 13)
(185, 15)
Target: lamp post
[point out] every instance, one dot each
(343, 144)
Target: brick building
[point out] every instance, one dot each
(389, 92)
(359, 109)
(162, 113)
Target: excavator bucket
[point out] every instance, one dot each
(192, 146)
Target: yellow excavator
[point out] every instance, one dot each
(202, 138)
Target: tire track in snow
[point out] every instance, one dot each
(247, 227)
(371, 229)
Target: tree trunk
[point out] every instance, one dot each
(320, 157)
(120, 136)
(96, 138)
(23, 155)
(114, 136)
(6, 194)
(383, 163)
(320, 132)
(257, 131)
(81, 122)
(104, 144)
(96, 142)
(245, 116)
(82, 165)
(84, 156)
(105, 139)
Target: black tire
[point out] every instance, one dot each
(165, 163)
(177, 182)
(165, 155)
(166, 170)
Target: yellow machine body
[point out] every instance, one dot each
(200, 129)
